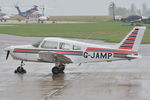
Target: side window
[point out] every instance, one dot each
(75, 47)
(64, 46)
(50, 44)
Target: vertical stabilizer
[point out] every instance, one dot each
(18, 9)
(133, 39)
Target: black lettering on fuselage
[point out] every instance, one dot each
(93, 56)
(85, 55)
(97, 55)
(104, 55)
(109, 55)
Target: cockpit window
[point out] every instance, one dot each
(36, 44)
(64, 46)
(50, 44)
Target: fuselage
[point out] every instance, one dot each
(78, 52)
(27, 13)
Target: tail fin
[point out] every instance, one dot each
(18, 9)
(133, 39)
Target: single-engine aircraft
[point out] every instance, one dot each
(63, 51)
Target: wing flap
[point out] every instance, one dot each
(53, 57)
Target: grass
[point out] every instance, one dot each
(100, 29)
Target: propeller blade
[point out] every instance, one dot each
(7, 54)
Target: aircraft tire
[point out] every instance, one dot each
(55, 70)
(20, 70)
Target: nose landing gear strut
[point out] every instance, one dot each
(20, 69)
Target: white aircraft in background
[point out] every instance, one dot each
(63, 51)
(42, 19)
(3, 16)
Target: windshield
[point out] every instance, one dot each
(49, 44)
(36, 44)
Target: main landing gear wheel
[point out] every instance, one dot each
(55, 70)
(20, 69)
(59, 69)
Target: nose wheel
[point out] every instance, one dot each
(58, 69)
(20, 69)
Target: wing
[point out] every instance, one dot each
(53, 57)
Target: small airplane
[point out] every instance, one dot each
(64, 51)
(42, 19)
(27, 14)
(3, 16)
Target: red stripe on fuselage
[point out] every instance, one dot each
(18, 50)
(115, 50)
(112, 52)
(68, 53)
(104, 49)
(31, 51)
(119, 55)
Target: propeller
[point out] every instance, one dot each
(8, 52)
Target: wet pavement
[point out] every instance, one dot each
(120, 80)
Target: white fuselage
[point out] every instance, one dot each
(78, 52)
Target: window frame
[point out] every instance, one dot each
(48, 47)
(68, 44)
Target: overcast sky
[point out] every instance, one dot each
(69, 7)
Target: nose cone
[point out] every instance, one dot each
(10, 48)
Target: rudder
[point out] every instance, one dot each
(133, 39)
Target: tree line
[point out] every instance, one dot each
(133, 10)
